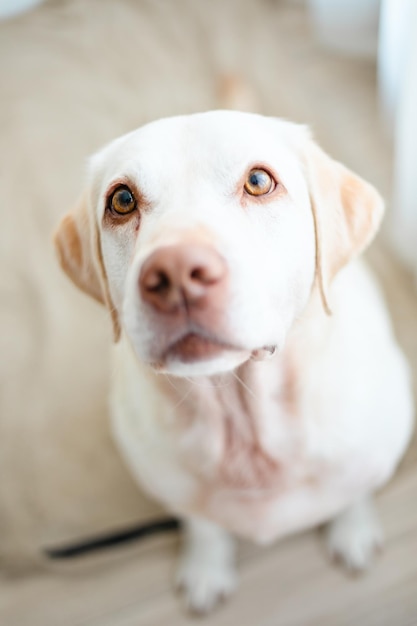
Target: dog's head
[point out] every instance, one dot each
(206, 235)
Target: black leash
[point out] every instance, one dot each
(94, 544)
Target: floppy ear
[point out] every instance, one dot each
(79, 252)
(347, 212)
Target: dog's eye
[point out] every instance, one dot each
(122, 201)
(259, 183)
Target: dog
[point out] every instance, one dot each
(257, 385)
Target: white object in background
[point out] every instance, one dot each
(398, 87)
(9, 8)
(348, 26)
(395, 32)
(405, 166)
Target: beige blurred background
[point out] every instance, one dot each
(73, 75)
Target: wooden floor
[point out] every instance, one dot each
(290, 583)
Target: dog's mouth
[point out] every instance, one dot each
(197, 347)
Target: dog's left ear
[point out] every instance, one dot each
(78, 248)
(347, 212)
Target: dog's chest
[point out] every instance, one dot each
(247, 458)
(249, 462)
(235, 447)
(263, 482)
(236, 433)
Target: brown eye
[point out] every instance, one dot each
(259, 183)
(122, 201)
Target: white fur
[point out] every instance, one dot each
(205, 155)
(354, 401)
(206, 569)
(355, 535)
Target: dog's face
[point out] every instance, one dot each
(206, 234)
(216, 257)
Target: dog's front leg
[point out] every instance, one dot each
(355, 535)
(206, 571)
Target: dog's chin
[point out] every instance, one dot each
(225, 361)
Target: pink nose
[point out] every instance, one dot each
(182, 275)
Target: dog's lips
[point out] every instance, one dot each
(196, 347)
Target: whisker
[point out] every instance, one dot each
(244, 385)
(170, 382)
(208, 385)
(182, 400)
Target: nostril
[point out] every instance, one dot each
(158, 282)
(199, 274)
(205, 275)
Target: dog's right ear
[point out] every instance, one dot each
(76, 247)
(79, 252)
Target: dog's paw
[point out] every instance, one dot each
(204, 583)
(354, 537)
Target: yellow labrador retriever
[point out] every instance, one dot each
(257, 386)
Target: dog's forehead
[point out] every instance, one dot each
(216, 141)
